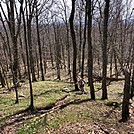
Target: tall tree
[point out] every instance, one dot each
(90, 55)
(57, 48)
(84, 43)
(30, 8)
(104, 49)
(126, 97)
(31, 107)
(71, 19)
(14, 32)
(39, 43)
(67, 37)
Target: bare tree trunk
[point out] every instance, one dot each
(116, 68)
(39, 45)
(29, 14)
(90, 54)
(37, 65)
(80, 36)
(44, 56)
(57, 49)
(126, 97)
(9, 51)
(50, 47)
(23, 55)
(111, 64)
(32, 63)
(132, 87)
(63, 54)
(68, 52)
(71, 19)
(84, 43)
(28, 66)
(14, 35)
(2, 80)
(104, 50)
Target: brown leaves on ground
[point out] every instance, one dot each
(89, 117)
(82, 116)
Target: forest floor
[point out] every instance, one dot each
(58, 112)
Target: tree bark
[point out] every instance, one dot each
(28, 66)
(14, 36)
(104, 50)
(84, 43)
(29, 14)
(90, 55)
(80, 38)
(115, 63)
(126, 97)
(2, 80)
(111, 64)
(57, 50)
(39, 45)
(71, 19)
(132, 87)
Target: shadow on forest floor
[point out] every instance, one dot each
(21, 116)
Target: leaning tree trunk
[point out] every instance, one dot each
(104, 50)
(71, 19)
(126, 97)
